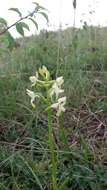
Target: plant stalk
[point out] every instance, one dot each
(52, 151)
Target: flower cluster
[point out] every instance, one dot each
(53, 89)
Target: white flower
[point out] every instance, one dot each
(32, 96)
(59, 106)
(55, 90)
(56, 87)
(59, 81)
(44, 72)
(34, 79)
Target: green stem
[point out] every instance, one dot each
(52, 151)
(62, 132)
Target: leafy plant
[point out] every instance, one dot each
(50, 98)
(20, 24)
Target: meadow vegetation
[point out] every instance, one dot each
(80, 56)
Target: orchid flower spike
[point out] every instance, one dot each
(32, 95)
(34, 79)
(59, 106)
(59, 81)
(56, 87)
(44, 72)
(55, 90)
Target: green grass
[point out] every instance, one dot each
(24, 153)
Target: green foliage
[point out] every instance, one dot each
(34, 22)
(39, 7)
(25, 156)
(17, 11)
(21, 26)
(44, 15)
(9, 40)
(3, 21)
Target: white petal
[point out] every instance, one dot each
(55, 105)
(60, 81)
(56, 90)
(34, 79)
(30, 93)
(62, 109)
(62, 100)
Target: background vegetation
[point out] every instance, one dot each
(80, 55)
